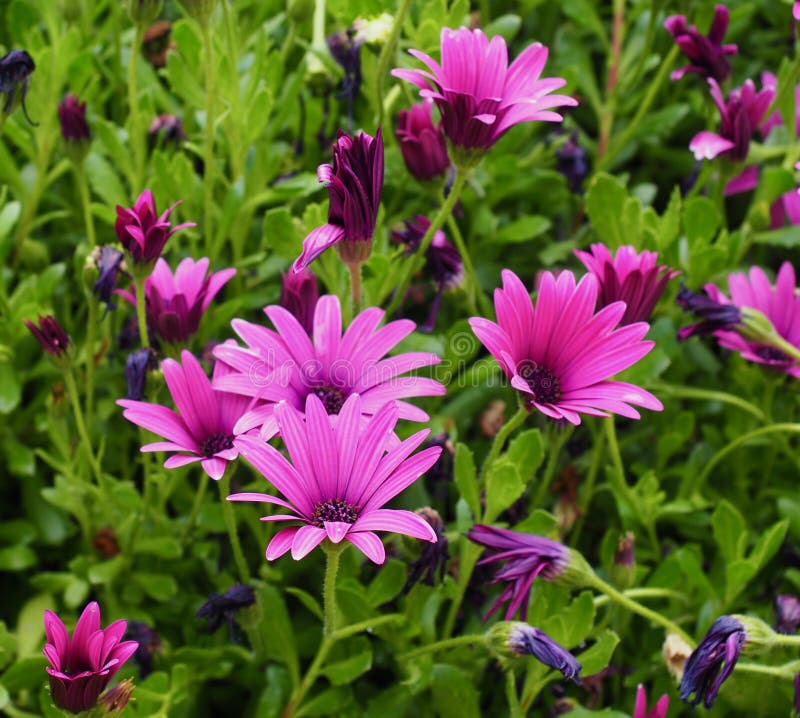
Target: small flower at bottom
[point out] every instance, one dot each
(513, 638)
(659, 710)
(527, 556)
(50, 334)
(341, 474)
(82, 666)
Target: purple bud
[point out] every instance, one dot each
(706, 53)
(573, 162)
(527, 640)
(715, 314)
(137, 365)
(787, 609)
(16, 68)
(72, 115)
(107, 259)
(149, 644)
(50, 334)
(433, 556)
(221, 608)
(299, 295)
(422, 143)
(165, 131)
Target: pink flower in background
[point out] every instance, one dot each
(299, 295)
(176, 303)
(82, 666)
(422, 143)
(659, 710)
(478, 95)
(142, 232)
(627, 276)
(780, 304)
(203, 430)
(288, 365)
(560, 354)
(740, 117)
(354, 182)
(796, 11)
(706, 53)
(72, 116)
(339, 478)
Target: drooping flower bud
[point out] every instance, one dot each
(624, 569)
(16, 68)
(114, 700)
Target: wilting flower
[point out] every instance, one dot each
(16, 68)
(50, 334)
(299, 296)
(675, 651)
(712, 661)
(345, 48)
(289, 365)
(559, 354)
(729, 319)
(433, 556)
(340, 476)
(478, 95)
(527, 556)
(142, 232)
(739, 119)
(706, 53)
(787, 610)
(107, 260)
(165, 131)
(203, 430)
(525, 640)
(422, 143)
(627, 276)
(443, 260)
(82, 666)
(175, 303)
(221, 608)
(573, 163)
(659, 710)
(354, 182)
(72, 116)
(137, 365)
(149, 644)
(156, 42)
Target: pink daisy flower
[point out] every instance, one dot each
(203, 429)
(560, 354)
(478, 95)
(81, 667)
(176, 303)
(659, 709)
(706, 53)
(288, 364)
(628, 276)
(339, 478)
(779, 303)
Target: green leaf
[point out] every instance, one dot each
(107, 571)
(730, 531)
(328, 703)
(104, 180)
(159, 586)
(358, 662)
(503, 487)
(466, 479)
(161, 546)
(10, 389)
(597, 657)
(604, 205)
(307, 600)
(30, 625)
(387, 584)
(526, 452)
(276, 626)
(17, 558)
(454, 693)
(572, 624)
(785, 237)
(280, 234)
(701, 219)
(523, 229)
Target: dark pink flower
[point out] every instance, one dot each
(176, 303)
(478, 95)
(299, 295)
(142, 232)
(354, 182)
(340, 475)
(740, 117)
(706, 53)
(659, 710)
(422, 143)
(527, 556)
(50, 334)
(82, 666)
(72, 115)
(796, 11)
(203, 430)
(289, 365)
(560, 354)
(628, 276)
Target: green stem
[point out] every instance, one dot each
(230, 523)
(91, 334)
(367, 625)
(587, 491)
(690, 392)
(782, 639)
(732, 446)
(136, 138)
(208, 153)
(196, 506)
(355, 285)
(557, 442)
(419, 256)
(333, 551)
(500, 440)
(514, 709)
(72, 390)
(786, 671)
(635, 607)
(310, 676)
(141, 308)
(386, 54)
(468, 557)
(465, 640)
(635, 593)
(86, 204)
(472, 278)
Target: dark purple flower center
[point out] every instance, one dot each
(332, 398)
(215, 443)
(772, 354)
(543, 383)
(334, 510)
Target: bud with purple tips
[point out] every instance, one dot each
(715, 314)
(137, 365)
(50, 334)
(74, 129)
(422, 143)
(510, 639)
(299, 295)
(706, 53)
(433, 556)
(107, 261)
(166, 131)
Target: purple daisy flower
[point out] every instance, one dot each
(288, 365)
(706, 53)
(339, 478)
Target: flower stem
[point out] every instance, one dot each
(91, 333)
(355, 285)
(72, 390)
(230, 523)
(514, 709)
(333, 551)
(86, 204)
(419, 256)
(386, 55)
(141, 308)
(310, 676)
(782, 639)
(786, 671)
(691, 392)
(136, 138)
(469, 268)
(635, 593)
(465, 640)
(500, 440)
(196, 506)
(557, 441)
(208, 151)
(635, 607)
(467, 560)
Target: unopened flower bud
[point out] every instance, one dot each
(51, 335)
(114, 700)
(675, 652)
(143, 12)
(787, 609)
(156, 42)
(623, 571)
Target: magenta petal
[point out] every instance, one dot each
(281, 542)
(306, 540)
(707, 145)
(369, 544)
